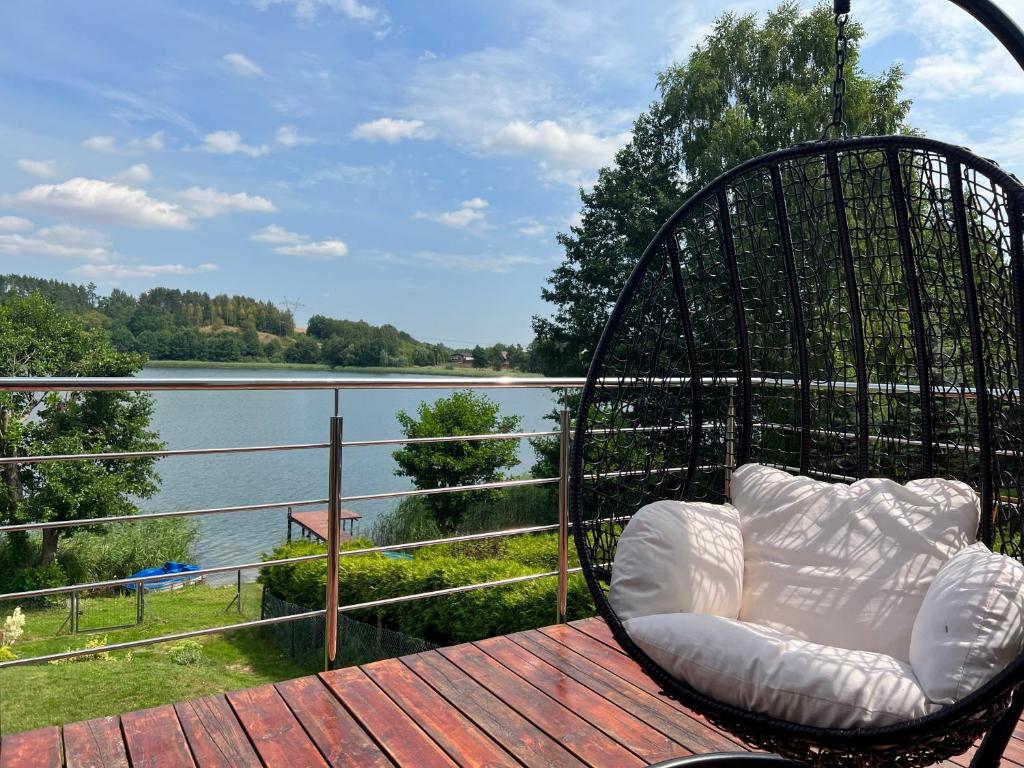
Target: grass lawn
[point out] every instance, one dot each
(49, 694)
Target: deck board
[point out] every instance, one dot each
(559, 697)
(39, 748)
(95, 744)
(214, 734)
(153, 739)
(338, 736)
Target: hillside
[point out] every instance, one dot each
(170, 324)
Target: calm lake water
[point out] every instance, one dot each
(240, 418)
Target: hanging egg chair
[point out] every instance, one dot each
(847, 308)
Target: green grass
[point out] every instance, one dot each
(49, 694)
(424, 370)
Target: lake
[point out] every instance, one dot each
(245, 418)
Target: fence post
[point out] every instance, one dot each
(730, 443)
(333, 544)
(565, 441)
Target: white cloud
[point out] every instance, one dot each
(295, 244)
(118, 271)
(206, 202)
(44, 169)
(230, 143)
(306, 11)
(14, 224)
(288, 136)
(135, 174)
(33, 245)
(476, 262)
(567, 155)
(532, 229)
(72, 235)
(242, 65)
(391, 130)
(108, 145)
(278, 235)
(101, 200)
(469, 212)
(963, 72)
(322, 249)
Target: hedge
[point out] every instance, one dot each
(444, 620)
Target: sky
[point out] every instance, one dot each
(397, 162)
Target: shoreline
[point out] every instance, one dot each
(426, 370)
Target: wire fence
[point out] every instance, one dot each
(358, 641)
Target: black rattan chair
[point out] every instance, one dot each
(845, 308)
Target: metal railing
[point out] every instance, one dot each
(333, 499)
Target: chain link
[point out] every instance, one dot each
(839, 84)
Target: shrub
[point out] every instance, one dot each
(455, 618)
(186, 653)
(118, 551)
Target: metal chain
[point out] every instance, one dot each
(839, 84)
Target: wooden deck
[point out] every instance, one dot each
(559, 696)
(314, 523)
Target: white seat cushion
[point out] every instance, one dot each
(846, 565)
(971, 623)
(679, 556)
(764, 670)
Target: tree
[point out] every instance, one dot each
(479, 357)
(748, 88)
(302, 350)
(37, 339)
(439, 465)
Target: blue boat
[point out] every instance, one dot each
(178, 577)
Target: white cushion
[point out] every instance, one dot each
(971, 623)
(846, 565)
(679, 556)
(764, 670)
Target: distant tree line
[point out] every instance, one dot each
(170, 324)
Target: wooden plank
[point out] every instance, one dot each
(634, 734)
(597, 629)
(576, 734)
(530, 745)
(338, 736)
(154, 739)
(95, 744)
(394, 730)
(464, 742)
(696, 736)
(214, 734)
(39, 748)
(273, 729)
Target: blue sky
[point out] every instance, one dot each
(402, 162)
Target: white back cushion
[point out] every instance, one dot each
(846, 565)
(971, 623)
(763, 670)
(679, 556)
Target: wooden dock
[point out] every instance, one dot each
(559, 696)
(313, 524)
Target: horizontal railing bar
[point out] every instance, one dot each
(162, 454)
(276, 620)
(157, 515)
(445, 439)
(886, 439)
(449, 489)
(508, 532)
(133, 384)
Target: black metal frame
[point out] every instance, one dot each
(768, 281)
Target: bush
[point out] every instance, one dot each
(118, 551)
(451, 619)
(186, 653)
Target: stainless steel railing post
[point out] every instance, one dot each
(333, 543)
(565, 441)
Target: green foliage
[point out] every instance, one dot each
(117, 551)
(437, 465)
(750, 87)
(455, 618)
(185, 653)
(38, 339)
